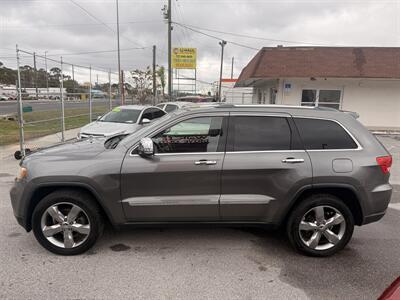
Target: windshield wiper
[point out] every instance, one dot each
(113, 142)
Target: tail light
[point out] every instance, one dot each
(385, 162)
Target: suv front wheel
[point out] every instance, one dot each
(67, 222)
(320, 225)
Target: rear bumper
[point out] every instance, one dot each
(378, 202)
(373, 218)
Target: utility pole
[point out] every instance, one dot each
(36, 76)
(154, 76)
(169, 49)
(73, 80)
(90, 94)
(20, 109)
(120, 89)
(62, 102)
(233, 59)
(109, 87)
(47, 76)
(222, 44)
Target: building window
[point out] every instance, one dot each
(327, 98)
(308, 97)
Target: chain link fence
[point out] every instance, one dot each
(55, 96)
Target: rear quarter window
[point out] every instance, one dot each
(323, 134)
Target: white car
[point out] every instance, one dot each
(172, 106)
(124, 119)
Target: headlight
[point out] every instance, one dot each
(22, 173)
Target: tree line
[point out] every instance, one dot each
(141, 86)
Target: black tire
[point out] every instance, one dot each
(307, 204)
(84, 201)
(17, 155)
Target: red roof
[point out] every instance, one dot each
(228, 80)
(340, 62)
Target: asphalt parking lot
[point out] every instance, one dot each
(198, 263)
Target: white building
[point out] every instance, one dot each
(235, 95)
(8, 91)
(44, 93)
(362, 79)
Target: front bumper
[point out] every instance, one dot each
(16, 195)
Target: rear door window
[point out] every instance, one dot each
(323, 134)
(259, 133)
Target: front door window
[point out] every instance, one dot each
(195, 135)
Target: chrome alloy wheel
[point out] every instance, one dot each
(322, 227)
(65, 225)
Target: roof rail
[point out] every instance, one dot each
(228, 105)
(322, 108)
(225, 105)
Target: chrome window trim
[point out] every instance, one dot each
(359, 147)
(265, 151)
(178, 153)
(224, 114)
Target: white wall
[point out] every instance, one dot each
(376, 100)
(236, 95)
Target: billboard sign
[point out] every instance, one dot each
(184, 58)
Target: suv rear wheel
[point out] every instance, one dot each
(320, 225)
(67, 222)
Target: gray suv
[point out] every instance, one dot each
(316, 172)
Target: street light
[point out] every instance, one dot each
(222, 44)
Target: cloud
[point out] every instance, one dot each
(60, 27)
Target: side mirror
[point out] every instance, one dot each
(145, 121)
(98, 118)
(146, 147)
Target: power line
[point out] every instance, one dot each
(103, 23)
(216, 37)
(253, 37)
(78, 24)
(95, 52)
(83, 53)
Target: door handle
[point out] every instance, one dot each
(292, 160)
(205, 162)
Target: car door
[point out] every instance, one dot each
(181, 182)
(264, 166)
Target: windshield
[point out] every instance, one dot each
(154, 124)
(121, 115)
